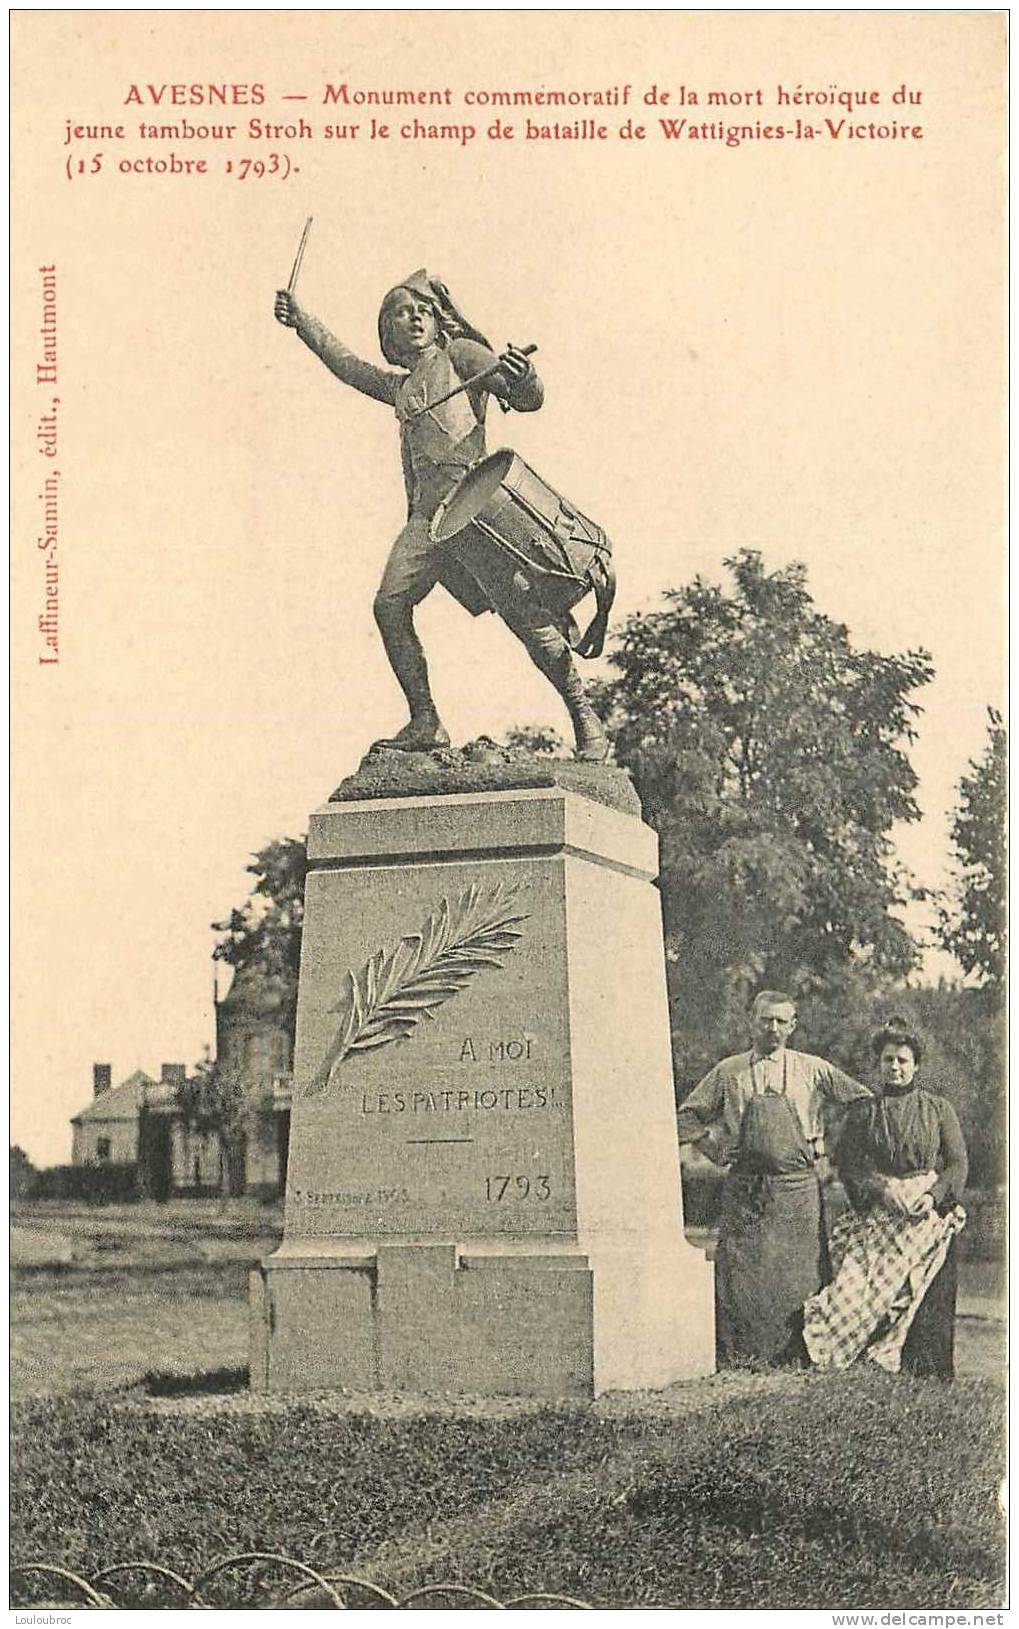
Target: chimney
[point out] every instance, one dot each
(102, 1078)
(173, 1074)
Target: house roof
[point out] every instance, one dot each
(253, 991)
(120, 1102)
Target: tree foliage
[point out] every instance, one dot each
(974, 926)
(213, 1101)
(265, 933)
(23, 1173)
(543, 740)
(209, 1100)
(770, 755)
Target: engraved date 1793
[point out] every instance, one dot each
(498, 1188)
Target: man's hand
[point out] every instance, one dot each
(286, 310)
(704, 1148)
(515, 365)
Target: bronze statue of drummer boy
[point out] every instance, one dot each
(424, 336)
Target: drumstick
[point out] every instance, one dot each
(475, 379)
(299, 255)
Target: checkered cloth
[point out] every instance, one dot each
(883, 1265)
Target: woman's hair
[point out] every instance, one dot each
(896, 1031)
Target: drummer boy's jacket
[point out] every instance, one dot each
(451, 437)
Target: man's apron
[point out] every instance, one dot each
(771, 1249)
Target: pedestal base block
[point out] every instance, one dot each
(417, 1319)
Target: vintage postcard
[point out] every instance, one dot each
(508, 802)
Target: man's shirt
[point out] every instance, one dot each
(713, 1113)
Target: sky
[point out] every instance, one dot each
(796, 347)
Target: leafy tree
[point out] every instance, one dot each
(974, 926)
(23, 1174)
(541, 739)
(771, 757)
(769, 754)
(212, 1101)
(265, 934)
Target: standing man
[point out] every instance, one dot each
(765, 1114)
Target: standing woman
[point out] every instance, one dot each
(902, 1160)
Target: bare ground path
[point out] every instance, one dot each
(102, 1297)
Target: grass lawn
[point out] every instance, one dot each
(776, 1490)
(773, 1491)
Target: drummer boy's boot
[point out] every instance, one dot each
(592, 743)
(549, 651)
(419, 734)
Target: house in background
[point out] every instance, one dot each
(140, 1121)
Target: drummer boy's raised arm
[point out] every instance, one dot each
(516, 382)
(379, 383)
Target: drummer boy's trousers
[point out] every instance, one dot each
(412, 571)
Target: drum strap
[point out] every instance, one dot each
(603, 582)
(602, 576)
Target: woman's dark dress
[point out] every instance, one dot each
(900, 1134)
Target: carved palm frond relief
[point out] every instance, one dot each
(397, 988)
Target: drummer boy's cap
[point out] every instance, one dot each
(451, 319)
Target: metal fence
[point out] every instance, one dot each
(253, 1578)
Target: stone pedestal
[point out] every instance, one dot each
(483, 1192)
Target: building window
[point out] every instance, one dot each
(102, 1149)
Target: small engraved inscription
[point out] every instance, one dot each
(518, 1049)
(314, 1197)
(514, 1051)
(463, 1101)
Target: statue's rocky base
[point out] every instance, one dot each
(483, 1193)
(481, 766)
